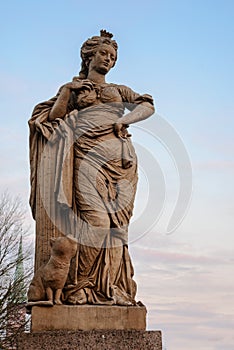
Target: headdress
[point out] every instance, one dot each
(105, 34)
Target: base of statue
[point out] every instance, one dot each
(88, 317)
(90, 340)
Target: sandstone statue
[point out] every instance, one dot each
(84, 176)
(49, 280)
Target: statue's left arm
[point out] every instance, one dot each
(141, 107)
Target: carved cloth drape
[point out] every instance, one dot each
(83, 182)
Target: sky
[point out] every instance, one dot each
(182, 53)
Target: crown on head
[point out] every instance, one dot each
(106, 34)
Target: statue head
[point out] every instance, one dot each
(90, 47)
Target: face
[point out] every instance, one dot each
(103, 60)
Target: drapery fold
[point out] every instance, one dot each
(83, 182)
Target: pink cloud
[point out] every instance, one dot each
(175, 257)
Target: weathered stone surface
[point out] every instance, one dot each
(84, 179)
(50, 279)
(91, 340)
(88, 317)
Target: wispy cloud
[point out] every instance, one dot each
(214, 165)
(188, 294)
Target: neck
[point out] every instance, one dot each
(96, 77)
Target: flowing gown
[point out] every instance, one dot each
(83, 182)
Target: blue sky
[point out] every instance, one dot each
(182, 53)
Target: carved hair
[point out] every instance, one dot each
(90, 47)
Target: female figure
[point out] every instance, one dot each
(84, 176)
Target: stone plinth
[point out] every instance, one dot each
(91, 340)
(88, 317)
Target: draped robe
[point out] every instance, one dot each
(83, 182)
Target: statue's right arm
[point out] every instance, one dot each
(59, 109)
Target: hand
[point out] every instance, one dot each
(79, 84)
(120, 130)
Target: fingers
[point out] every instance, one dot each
(120, 130)
(87, 82)
(76, 85)
(79, 84)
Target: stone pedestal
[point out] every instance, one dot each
(88, 317)
(91, 340)
(89, 327)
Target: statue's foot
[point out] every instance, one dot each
(121, 297)
(122, 302)
(78, 298)
(58, 302)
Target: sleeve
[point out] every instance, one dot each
(132, 98)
